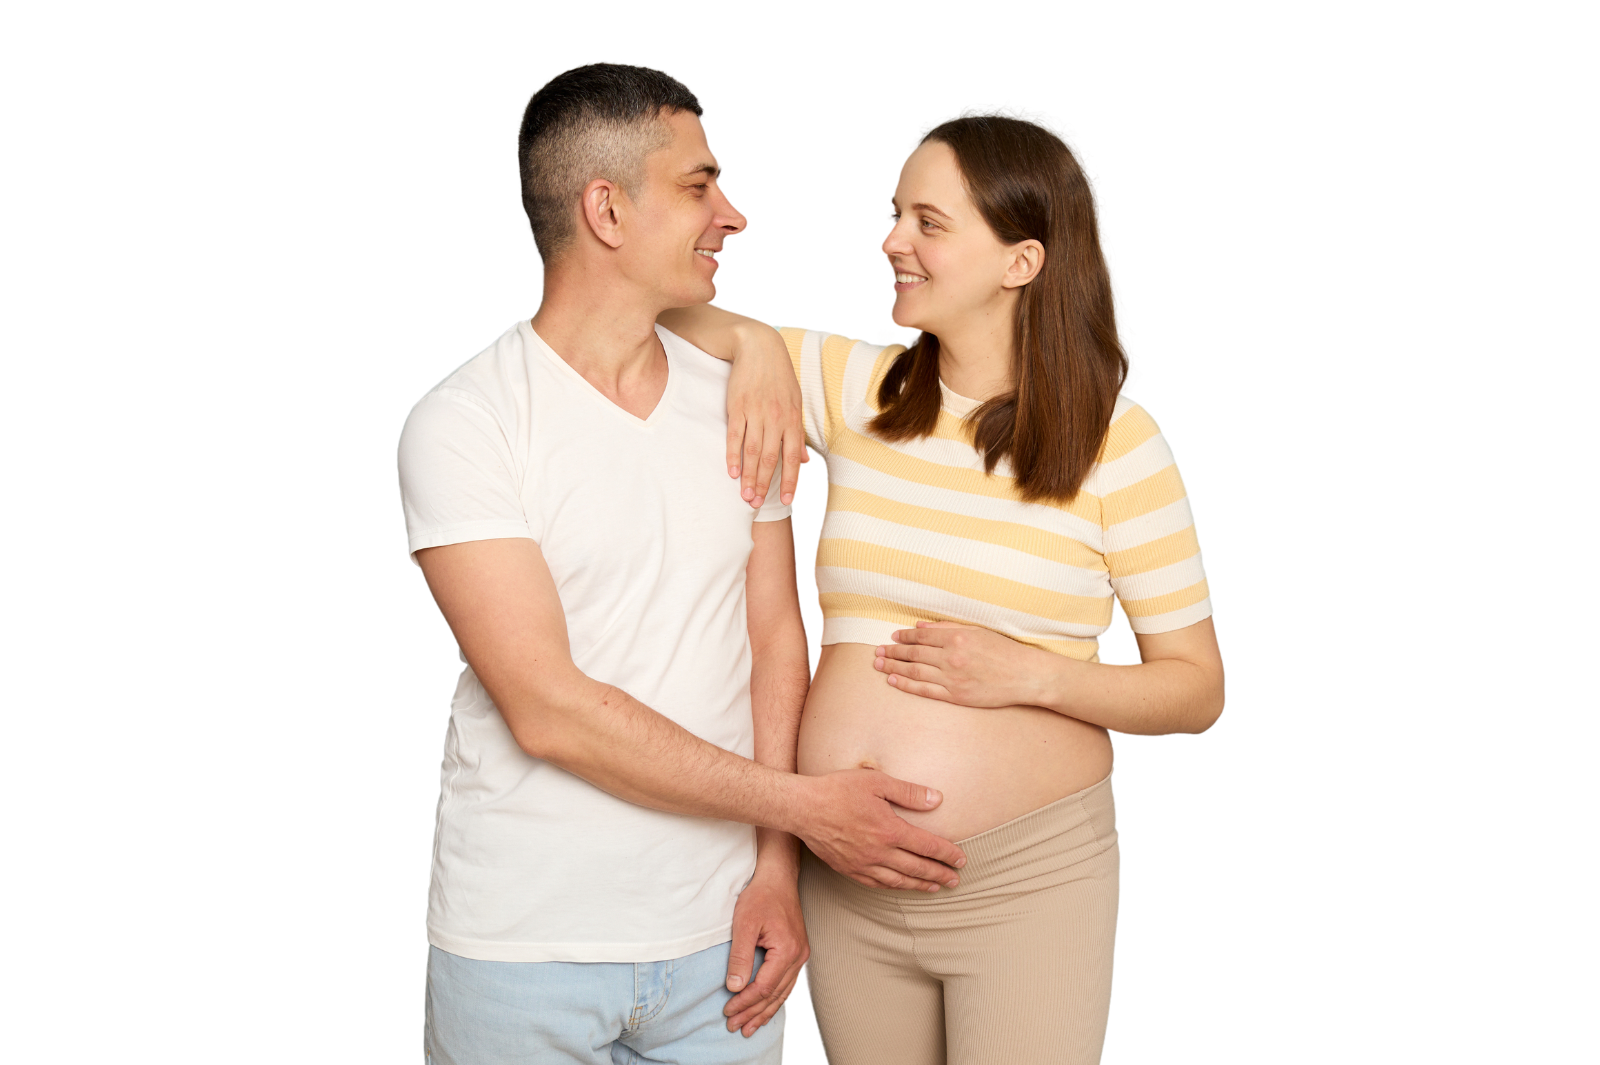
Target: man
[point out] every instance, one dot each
(636, 663)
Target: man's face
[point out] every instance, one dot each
(680, 218)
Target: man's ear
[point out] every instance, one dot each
(1027, 259)
(602, 211)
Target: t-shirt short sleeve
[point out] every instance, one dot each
(458, 479)
(1151, 551)
(774, 508)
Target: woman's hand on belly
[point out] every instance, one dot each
(965, 665)
(992, 764)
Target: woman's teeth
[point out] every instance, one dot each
(909, 279)
(707, 253)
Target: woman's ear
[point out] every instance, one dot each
(1026, 260)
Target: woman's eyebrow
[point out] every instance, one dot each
(930, 208)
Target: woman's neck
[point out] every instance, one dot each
(975, 358)
(978, 373)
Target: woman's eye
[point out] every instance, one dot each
(927, 223)
(894, 216)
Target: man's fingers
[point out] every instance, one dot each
(741, 956)
(759, 1002)
(924, 870)
(755, 1019)
(921, 841)
(906, 794)
(881, 876)
(770, 973)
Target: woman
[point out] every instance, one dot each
(989, 491)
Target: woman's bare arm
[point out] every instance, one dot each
(1177, 688)
(763, 396)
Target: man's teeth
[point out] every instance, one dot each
(706, 252)
(909, 279)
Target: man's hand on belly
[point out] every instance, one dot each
(850, 823)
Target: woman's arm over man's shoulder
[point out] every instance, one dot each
(764, 408)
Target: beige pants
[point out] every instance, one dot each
(1013, 967)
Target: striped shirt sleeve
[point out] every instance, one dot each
(821, 361)
(1151, 551)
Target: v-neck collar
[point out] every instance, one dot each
(563, 366)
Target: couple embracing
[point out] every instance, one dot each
(650, 815)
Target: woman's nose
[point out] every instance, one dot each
(896, 243)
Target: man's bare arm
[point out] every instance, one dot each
(502, 605)
(780, 672)
(768, 913)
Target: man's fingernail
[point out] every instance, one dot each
(952, 883)
(735, 983)
(961, 863)
(931, 888)
(933, 796)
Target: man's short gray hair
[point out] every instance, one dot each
(598, 121)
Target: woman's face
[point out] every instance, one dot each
(949, 267)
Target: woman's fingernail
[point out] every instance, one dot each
(933, 797)
(788, 498)
(733, 471)
(759, 500)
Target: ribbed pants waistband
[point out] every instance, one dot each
(1039, 848)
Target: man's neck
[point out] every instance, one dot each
(600, 326)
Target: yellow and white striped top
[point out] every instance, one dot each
(917, 531)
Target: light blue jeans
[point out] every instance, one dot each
(588, 1013)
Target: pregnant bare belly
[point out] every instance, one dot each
(991, 765)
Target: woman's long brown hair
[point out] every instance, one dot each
(1067, 362)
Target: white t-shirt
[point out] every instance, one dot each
(647, 539)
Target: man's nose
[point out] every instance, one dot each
(728, 219)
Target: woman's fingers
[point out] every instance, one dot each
(794, 453)
(922, 688)
(735, 443)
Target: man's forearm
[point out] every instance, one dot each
(779, 679)
(605, 736)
